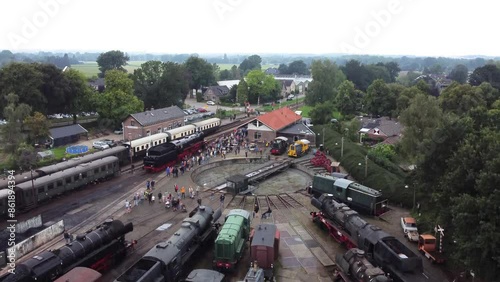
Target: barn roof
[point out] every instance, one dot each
(158, 115)
(66, 131)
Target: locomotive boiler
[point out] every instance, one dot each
(354, 266)
(99, 249)
(166, 261)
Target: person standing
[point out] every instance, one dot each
(136, 199)
(199, 201)
(191, 192)
(152, 184)
(197, 191)
(183, 192)
(222, 198)
(256, 211)
(67, 237)
(148, 185)
(176, 188)
(159, 197)
(127, 206)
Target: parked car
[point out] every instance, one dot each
(410, 229)
(99, 145)
(211, 103)
(109, 142)
(202, 110)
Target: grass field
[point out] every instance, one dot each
(90, 69)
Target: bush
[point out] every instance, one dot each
(390, 182)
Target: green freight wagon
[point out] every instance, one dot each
(231, 241)
(357, 196)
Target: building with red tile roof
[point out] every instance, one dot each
(268, 126)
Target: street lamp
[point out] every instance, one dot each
(366, 165)
(406, 187)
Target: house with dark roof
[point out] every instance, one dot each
(214, 93)
(60, 136)
(287, 86)
(268, 126)
(383, 129)
(150, 122)
(272, 71)
(98, 84)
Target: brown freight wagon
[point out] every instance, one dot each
(80, 274)
(264, 248)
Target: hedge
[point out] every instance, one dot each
(390, 182)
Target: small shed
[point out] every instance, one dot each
(66, 134)
(236, 183)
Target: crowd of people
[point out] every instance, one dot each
(220, 147)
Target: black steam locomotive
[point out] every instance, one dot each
(380, 248)
(166, 261)
(168, 154)
(99, 249)
(353, 265)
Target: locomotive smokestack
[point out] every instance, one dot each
(315, 202)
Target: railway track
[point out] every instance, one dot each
(228, 128)
(290, 202)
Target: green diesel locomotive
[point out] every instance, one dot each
(231, 241)
(359, 197)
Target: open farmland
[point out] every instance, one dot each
(91, 69)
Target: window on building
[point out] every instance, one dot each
(96, 171)
(68, 180)
(59, 183)
(159, 129)
(148, 133)
(84, 175)
(41, 190)
(132, 123)
(257, 135)
(50, 186)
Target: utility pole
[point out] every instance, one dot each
(366, 166)
(323, 136)
(130, 152)
(342, 148)
(35, 192)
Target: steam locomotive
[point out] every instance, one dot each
(354, 266)
(168, 154)
(166, 261)
(381, 249)
(99, 249)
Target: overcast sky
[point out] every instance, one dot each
(386, 27)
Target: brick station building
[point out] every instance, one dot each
(150, 122)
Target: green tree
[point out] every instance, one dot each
(112, 60)
(379, 99)
(118, 100)
(358, 74)
(327, 78)
(225, 75)
(322, 113)
(242, 92)
(251, 63)
(385, 151)
(345, 100)
(404, 99)
(460, 98)
(262, 87)
(161, 84)
(78, 96)
(25, 156)
(488, 73)
(297, 67)
(200, 71)
(26, 81)
(38, 126)
(235, 72)
(15, 113)
(420, 119)
(459, 73)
